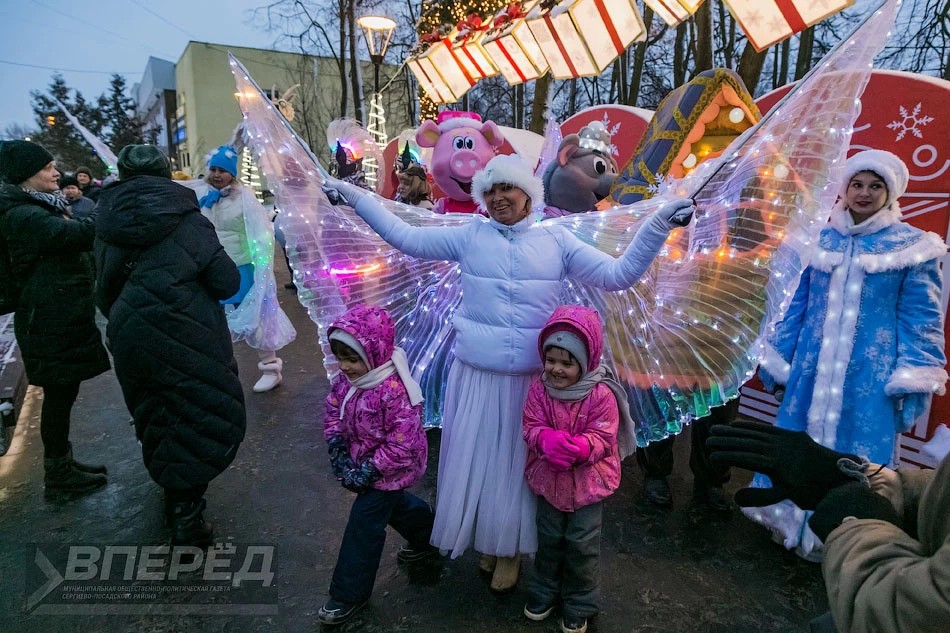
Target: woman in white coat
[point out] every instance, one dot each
(512, 272)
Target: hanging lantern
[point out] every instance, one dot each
(465, 45)
(674, 12)
(429, 80)
(580, 38)
(512, 48)
(766, 22)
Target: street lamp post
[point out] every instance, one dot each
(377, 31)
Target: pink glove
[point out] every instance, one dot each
(583, 448)
(557, 448)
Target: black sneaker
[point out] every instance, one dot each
(658, 492)
(406, 554)
(537, 609)
(573, 624)
(333, 612)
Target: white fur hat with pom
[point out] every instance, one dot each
(885, 164)
(510, 169)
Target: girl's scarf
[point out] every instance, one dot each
(56, 199)
(211, 198)
(580, 390)
(397, 364)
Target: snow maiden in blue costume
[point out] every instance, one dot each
(861, 348)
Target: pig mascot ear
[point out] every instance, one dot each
(492, 134)
(567, 148)
(428, 134)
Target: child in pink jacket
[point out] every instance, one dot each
(571, 421)
(378, 449)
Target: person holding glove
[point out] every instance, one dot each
(373, 428)
(860, 350)
(512, 270)
(886, 533)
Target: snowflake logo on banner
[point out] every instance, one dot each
(910, 122)
(612, 130)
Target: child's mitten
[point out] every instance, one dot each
(360, 479)
(340, 460)
(584, 448)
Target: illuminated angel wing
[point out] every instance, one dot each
(105, 154)
(338, 261)
(687, 336)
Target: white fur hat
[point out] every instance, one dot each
(885, 164)
(511, 169)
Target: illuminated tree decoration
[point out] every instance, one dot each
(580, 38)
(766, 22)
(512, 47)
(674, 12)
(251, 175)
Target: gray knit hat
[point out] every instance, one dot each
(19, 160)
(572, 343)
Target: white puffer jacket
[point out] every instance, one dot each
(512, 275)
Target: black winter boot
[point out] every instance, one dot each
(189, 526)
(61, 474)
(96, 469)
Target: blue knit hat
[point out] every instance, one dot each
(226, 158)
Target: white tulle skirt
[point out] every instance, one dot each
(482, 497)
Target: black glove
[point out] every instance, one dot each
(850, 500)
(800, 468)
(361, 478)
(340, 460)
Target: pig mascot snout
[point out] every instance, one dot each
(462, 145)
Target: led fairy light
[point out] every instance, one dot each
(689, 328)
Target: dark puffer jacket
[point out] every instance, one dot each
(55, 321)
(167, 331)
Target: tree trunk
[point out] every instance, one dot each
(542, 89)
(639, 55)
(679, 56)
(806, 44)
(341, 6)
(785, 53)
(750, 67)
(356, 74)
(704, 38)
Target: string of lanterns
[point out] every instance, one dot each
(525, 39)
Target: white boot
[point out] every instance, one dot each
(271, 377)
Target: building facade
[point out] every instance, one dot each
(207, 111)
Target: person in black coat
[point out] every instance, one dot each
(161, 275)
(88, 186)
(54, 322)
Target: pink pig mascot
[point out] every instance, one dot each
(463, 145)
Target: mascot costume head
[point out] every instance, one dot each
(581, 174)
(462, 145)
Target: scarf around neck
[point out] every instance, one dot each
(580, 390)
(56, 199)
(211, 198)
(397, 364)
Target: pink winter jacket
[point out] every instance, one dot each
(596, 418)
(378, 424)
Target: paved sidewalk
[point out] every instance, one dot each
(681, 570)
